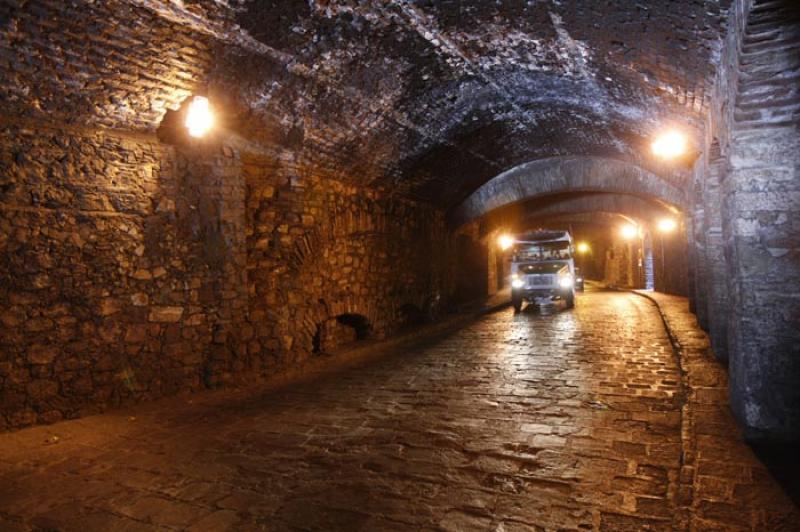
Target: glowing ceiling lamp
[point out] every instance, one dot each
(629, 231)
(670, 145)
(198, 117)
(505, 241)
(667, 225)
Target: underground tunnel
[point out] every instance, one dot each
(399, 265)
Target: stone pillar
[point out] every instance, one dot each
(494, 271)
(211, 215)
(715, 257)
(699, 254)
(692, 266)
(761, 194)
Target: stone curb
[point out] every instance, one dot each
(686, 482)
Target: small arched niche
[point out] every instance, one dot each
(339, 332)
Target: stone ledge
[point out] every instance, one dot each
(723, 483)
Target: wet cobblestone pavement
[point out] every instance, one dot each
(569, 420)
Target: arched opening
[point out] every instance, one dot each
(595, 196)
(338, 332)
(654, 257)
(563, 176)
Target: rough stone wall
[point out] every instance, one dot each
(333, 334)
(748, 188)
(762, 195)
(472, 272)
(317, 249)
(696, 233)
(621, 265)
(116, 269)
(132, 269)
(716, 322)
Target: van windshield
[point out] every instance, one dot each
(542, 251)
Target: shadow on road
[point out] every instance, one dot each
(782, 462)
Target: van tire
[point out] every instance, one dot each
(516, 302)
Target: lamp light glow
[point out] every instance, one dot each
(629, 231)
(505, 241)
(669, 145)
(582, 247)
(667, 225)
(198, 117)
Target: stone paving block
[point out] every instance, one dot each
(443, 436)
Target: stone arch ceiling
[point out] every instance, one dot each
(565, 175)
(643, 210)
(598, 220)
(433, 98)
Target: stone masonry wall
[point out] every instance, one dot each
(131, 268)
(319, 249)
(618, 269)
(761, 194)
(747, 204)
(116, 270)
(669, 261)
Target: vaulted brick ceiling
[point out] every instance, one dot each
(433, 98)
(425, 98)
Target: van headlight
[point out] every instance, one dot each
(516, 281)
(565, 282)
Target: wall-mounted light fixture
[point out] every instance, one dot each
(582, 247)
(670, 144)
(505, 241)
(629, 231)
(199, 118)
(667, 225)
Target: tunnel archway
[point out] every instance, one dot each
(608, 258)
(558, 175)
(655, 259)
(340, 331)
(644, 211)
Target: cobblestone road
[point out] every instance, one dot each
(563, 421)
